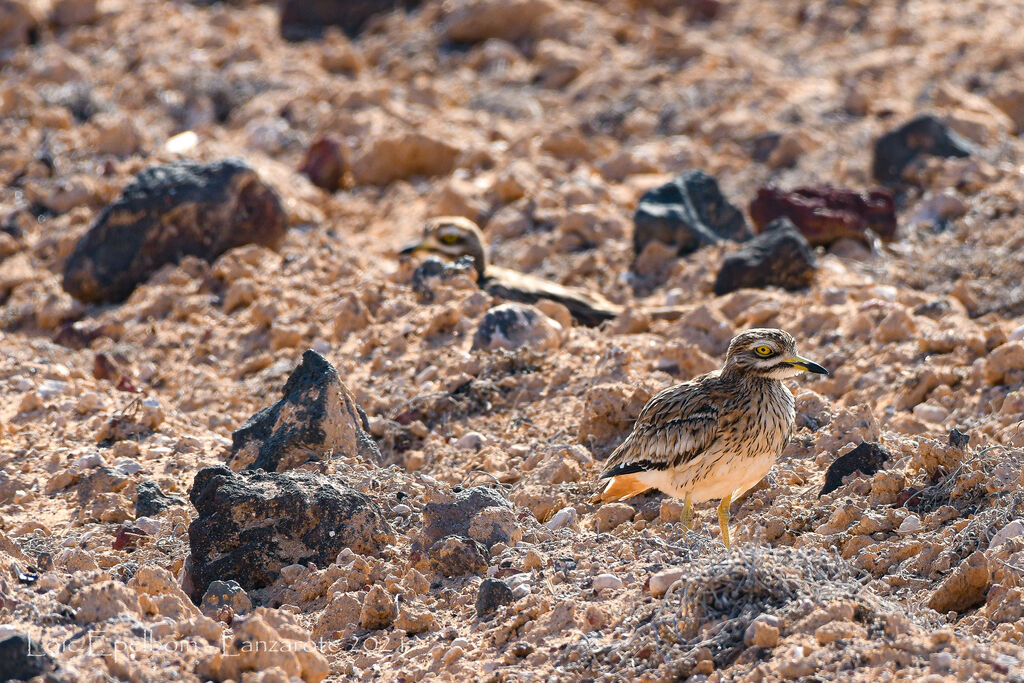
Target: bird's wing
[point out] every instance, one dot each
(675, 427)
(588, 308)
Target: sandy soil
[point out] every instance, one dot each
(545, 130)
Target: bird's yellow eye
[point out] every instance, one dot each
(450, 238)
(763, 351)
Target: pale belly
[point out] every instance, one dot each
(711, 478)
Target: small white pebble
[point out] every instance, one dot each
(563, 518)
(127, 466)
(603, 581)
(521, 591)
(401, 510)
(471, 441)
(89, 461)
(911, 524)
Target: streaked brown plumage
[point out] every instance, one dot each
(455, 236)
(716, 435)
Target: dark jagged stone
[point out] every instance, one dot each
(305, 19)
(442, 519)
(867, 458)
(22, 658)
(169, 212)
(826, 214)
(493, 594)
(689, 212)
(778, 257)
(316, 419)
(924, 135)
(251, 524)
(958, 439)
(151, 501)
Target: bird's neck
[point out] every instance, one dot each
(752, 380)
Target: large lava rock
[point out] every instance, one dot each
(826, 214)
(689, 212)
(251, 524)
(778, 257)
(168, 212)
(317, 418)
(925, 135)
(22, 658)
(302, 19)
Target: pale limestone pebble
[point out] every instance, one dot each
(1004, 604)
(116, 133)
(566, 517)
(1011, 530)
(378, 609)
(607, 582)
(840, 520)
(102, 601)
(471, 441)
(250, 649)
(611, 515)
(1004, 360)
(75, 560)
(159, 594)
(340, 617)
(541, 501)
(660, 583)
(964, 588)
(911, 524)
(763, 632)
(684, 358)
(929, 412)
(534, 559)
(414, 620)
(897, 326)
(885, 487)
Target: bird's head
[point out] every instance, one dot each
(769, 353)
(454, 237)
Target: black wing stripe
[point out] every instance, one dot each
(632, 467)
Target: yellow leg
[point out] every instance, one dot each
(687, 516)
(723, 518)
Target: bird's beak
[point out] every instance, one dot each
(414, 247)
(808, 365)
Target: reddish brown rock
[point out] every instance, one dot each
(826, 214)
(325, 163)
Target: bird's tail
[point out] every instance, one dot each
(620, 486)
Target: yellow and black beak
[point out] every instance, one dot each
(804, 364)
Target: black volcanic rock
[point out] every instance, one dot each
(925, 135)
(22, 658)
(867, 458)
(317, 418)
(251, 524)
(150, 500)
(689, 212)
(778, 257)
(303, 19)
(169, 212)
